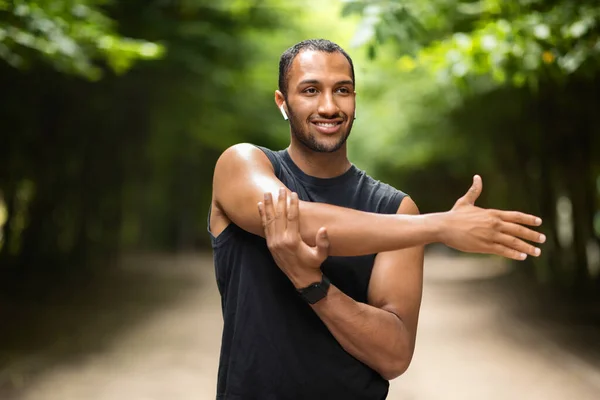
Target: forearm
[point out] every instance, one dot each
(352, 232)
(376, 337)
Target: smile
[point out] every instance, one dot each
(327, 128)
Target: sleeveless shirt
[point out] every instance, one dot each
(274, 346)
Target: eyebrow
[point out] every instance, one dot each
(315, 82)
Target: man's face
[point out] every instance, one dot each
(321, 100)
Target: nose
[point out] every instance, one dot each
(327, 106)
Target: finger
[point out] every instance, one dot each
(519, 218)
(473, 193)
(517, 244)
(261, 212)
(475, 190)
(281, 211)
(322, 244)
(293, 214)
(507, 252)
(269, 212)
(522, 232)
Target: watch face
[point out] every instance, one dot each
(316, 291)
(314, 294)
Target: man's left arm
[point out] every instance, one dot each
(380, 334)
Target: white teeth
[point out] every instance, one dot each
(325, 124)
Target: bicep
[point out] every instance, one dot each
(397, 279)
(242, 175)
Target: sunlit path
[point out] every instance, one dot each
(468, 346)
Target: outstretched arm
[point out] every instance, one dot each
(243, 174)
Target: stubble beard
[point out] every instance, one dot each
(310, 141)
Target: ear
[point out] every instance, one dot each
(280, 102)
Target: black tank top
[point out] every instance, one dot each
(274, 346)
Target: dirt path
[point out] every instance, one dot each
(153, 332)
(471, 345)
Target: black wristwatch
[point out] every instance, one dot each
(315, 291)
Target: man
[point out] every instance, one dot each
(321, 286)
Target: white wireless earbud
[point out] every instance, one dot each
(283, 112)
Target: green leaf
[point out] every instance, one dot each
(371, 52)
(351, 7)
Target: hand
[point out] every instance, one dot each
(476, 230)
(300, 262)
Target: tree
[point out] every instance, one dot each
(90, 166)
(72, 36)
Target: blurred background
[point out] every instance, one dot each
(113, 114)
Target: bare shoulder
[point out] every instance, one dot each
(408, 206)
(241, 155)
(241, 161)
(241, 167)
(237, 165)
(243, 173)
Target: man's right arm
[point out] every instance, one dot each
(243, 174)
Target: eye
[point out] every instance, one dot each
(343, 90)
(310, 90)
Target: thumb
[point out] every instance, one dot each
(322, 243)
(474, 191)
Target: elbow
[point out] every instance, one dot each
(395, 368)
(397, 361)
(394, 371)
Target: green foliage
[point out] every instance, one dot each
(89, 167)
(520, 42)
(71, 36)
(126, 161)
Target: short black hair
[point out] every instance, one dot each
(288, 56)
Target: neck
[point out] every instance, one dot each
(319, 165)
